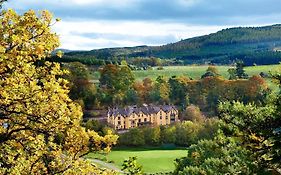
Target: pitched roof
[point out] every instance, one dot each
(147, 109)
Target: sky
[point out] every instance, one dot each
(94, 24)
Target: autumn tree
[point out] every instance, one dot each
(40, 131)
(81, 89)
(193, 114)
(258, 127)
(211, 71)
(247, 141)
(143, 88)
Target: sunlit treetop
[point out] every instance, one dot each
(40, 131)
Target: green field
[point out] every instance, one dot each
(195, 72)
(152, 160)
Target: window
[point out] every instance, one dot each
(119, 118)
(139, 120)
(119, 122)
(173, 117)
(145, 119)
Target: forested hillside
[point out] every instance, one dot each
(259, 45)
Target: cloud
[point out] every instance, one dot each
(101, 34)
(200, 12)
(88, 24)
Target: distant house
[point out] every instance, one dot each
(133, 116)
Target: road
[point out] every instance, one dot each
(106, 165)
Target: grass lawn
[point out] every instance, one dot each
(194, 72)
(152, 160)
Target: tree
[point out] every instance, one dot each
(212, 71)
(168, 134)
(132, 167)
(143, 90)
(116, 81)
(219, 156)
(239, 71)
(80, 86)
(134, 137)
(152, 135)
(161, 91)
(257, 127)
(40, 131)
(178, 91)
(193, 114)
(232, 73)
(186, 133)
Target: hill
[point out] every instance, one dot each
(260, 45)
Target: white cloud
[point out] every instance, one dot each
(75, 35)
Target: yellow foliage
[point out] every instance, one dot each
(40, 130)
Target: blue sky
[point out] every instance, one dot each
(92, 24)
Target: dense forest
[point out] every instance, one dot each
(253, 45)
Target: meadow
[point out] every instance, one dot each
(152, 160)
(191, 71)
(196, 72)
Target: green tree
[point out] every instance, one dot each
(222, 155)
(232, 73)
(186, 133)
(161, 91)
(132, 167)
(168, 135)
(259, 129)
(116, 81)
(239, 71)
(178, 91)
(80, 86)
(34, 104)
(152, 135)
(134, 137)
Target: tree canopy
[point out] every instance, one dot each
(40, 131)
